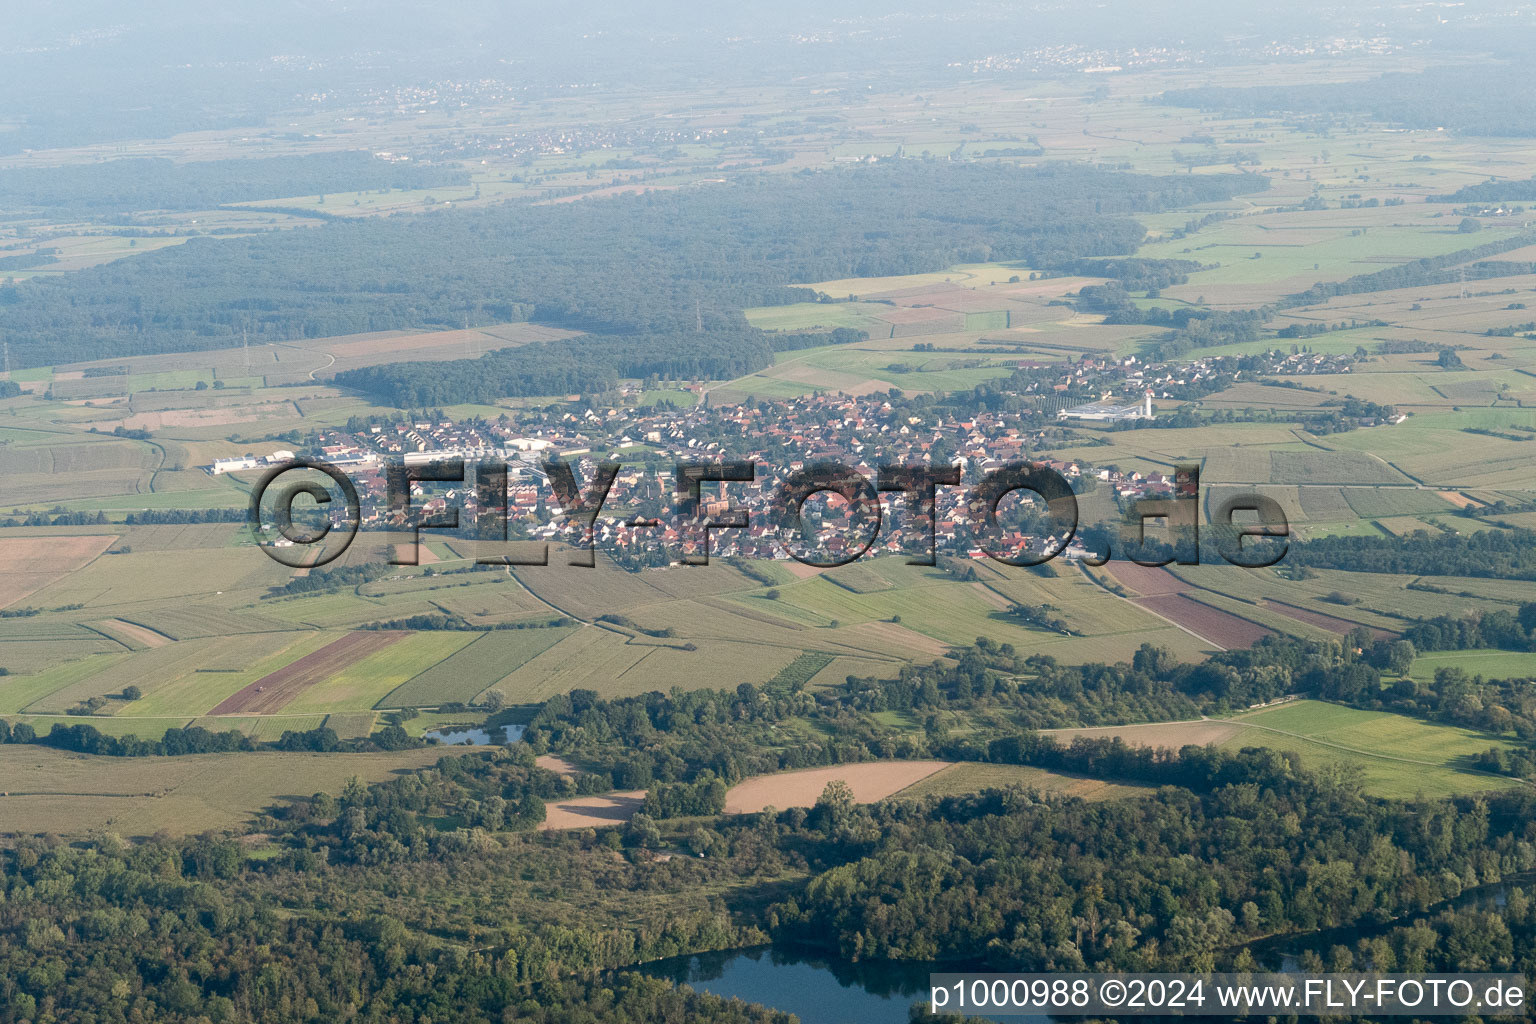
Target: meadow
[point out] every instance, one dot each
(1396, 756)
(1490, 664)
(54, 791)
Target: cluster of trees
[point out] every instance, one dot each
(1176, 882)
(56, 518)
(1501, 554)
(1490, 192)
(815, 339)
(183, 516)
(705, 795)
(1041, 615)
(445, 621)
(194, 739)
(1473, 262)
(584, 365)
(335, 577)
(1136, 273)
(1191, 327)
(1512, 631)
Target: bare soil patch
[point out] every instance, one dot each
(424, 555)
(143, 634)
(1221, 628)
(593, 811)
(1329, 622)
(1459, 500)
(1171, 735)
(1146, 580)
(870, 781)
(557, 764)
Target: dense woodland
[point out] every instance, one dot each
(652, 264)
(132, 186)
(1498, 554)
(1484, 99)
(1492, 191)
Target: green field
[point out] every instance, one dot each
(366, 682)
(1396, 756)
(463, 675)
(1490, 664)
(60, 792)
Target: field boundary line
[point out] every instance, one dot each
(1142, 607)
(108, 636)
(1370, 753)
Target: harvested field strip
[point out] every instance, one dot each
(184, 623)
(368, 679)
(1328, 622)
(1218, 627)
(151, 669)
(28, 564)
(970, 777)
(218, 676)
(1146, 580)
(24, 630)
(593, 811)
(351, 725)
(1269, 618)
(870, 781)
(1169, 735)
(18, 691)
(273, 691)
(142, 635)
(1166, 595)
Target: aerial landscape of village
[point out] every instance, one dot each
(726, 517)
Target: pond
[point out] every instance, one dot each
(476, 737)
(817, 989)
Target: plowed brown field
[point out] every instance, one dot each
(271, 692)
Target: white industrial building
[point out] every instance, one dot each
(1107, 412)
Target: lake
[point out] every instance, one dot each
(817, 989)
(474, 737)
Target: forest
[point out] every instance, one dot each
(1486, 99)
(658, 263)
(1493, 191)
(584, 365)
(136, 185)
(1497, 554)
